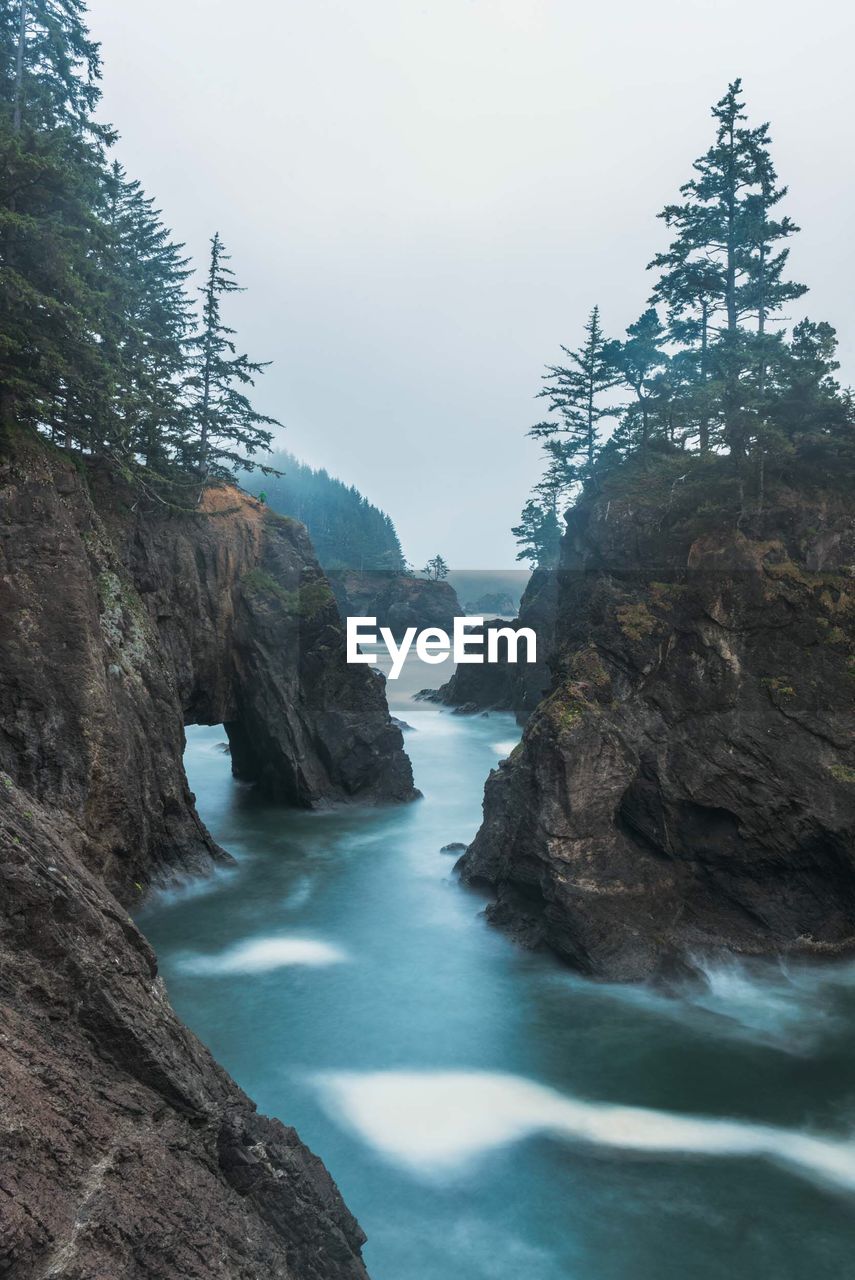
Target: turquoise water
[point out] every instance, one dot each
(487, 1114)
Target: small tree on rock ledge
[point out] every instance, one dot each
(436, 569)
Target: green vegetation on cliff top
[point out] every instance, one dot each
(711, 379)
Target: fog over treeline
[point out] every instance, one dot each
(413, 261)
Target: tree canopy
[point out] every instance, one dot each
(347, 531)
(101, 345)
(708, 367)
(436, 569)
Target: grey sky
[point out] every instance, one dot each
(425, 199)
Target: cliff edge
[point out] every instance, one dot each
(688, 785)
(124, 1149)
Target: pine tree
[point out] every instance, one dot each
(347, 531)
(806, 401)
(766, 291)
(559, 479)
(51, 169)
(538, 533)
(642, 363)
(692, 291)
(436, 569)
(723, 267)
(149, 323)
(230, 431)
(575, 393)
(51, 67)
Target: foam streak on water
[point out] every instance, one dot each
(262, 955)
(488, 1114)
(430, 1121)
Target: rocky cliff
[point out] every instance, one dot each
(396, 600)
(505, 686)
(688, 785)
(125, 1150)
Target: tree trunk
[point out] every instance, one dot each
(7, 410)
(704, 423)
(730, 271)
(734, 437)
(17, 115)
(8, 403)
(644, 431)
(761, 320)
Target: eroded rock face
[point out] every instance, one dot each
(506, 686)
(124, 1149)
(689, 784)
(396, 600)
(118, 626)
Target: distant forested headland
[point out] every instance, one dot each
(347, 531)
(108, 349)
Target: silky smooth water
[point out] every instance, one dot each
(487, 1114)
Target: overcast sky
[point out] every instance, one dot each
(424, 199)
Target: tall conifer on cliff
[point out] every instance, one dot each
(575, 393)
(227, 431)
(724, 267)
(51, 166)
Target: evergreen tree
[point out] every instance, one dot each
(718, 374)
(148, 325)
(723, 267)
(691, 290)
(642, 364)
(559, 478)
(51, 169)
(347, 531)
(51, 67)
(575, 393)
(806, 401)
(228, 427)
(766, 291)
(436, 569)
(538, 534)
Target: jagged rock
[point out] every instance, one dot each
(396, 600)
(492, 603)
(503, 685)
(689, 784)
(222, 616)
(454, 847)
(125, 1149)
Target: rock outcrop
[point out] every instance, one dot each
(493, 604)
(506, 686)
(118, 627)
(396, 600)
(688, 786)
(124, 1149)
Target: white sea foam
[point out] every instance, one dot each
(436, 1121)
(262, 955)
(791, 1006)
(503, 749)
